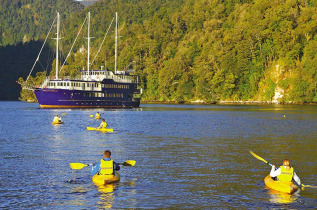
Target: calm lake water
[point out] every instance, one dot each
(187, 156)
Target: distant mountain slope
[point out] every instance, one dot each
(22, 21)
(207, 50)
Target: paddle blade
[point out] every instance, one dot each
(304, 185)
(128, 163)
(258, 157)
(77, 166)
(91, 115)
(63, 114)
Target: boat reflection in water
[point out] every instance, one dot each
(106, 195)
(277, 197)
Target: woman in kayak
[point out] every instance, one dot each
(285, 173)
(103, 124)
(106, 166)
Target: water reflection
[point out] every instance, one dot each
(282, 198)
(106, 196)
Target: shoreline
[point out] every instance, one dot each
(227, 103)
(200, 102)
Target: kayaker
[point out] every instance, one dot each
(57, 119)
(285, 173)
(103, 124)
(106, 166)
(98, 115)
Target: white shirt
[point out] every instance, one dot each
(275, 173)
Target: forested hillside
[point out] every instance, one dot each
(23, 26)
(209, 50)
(25, 20)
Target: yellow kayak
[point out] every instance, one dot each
(100, 129)
(97, 118)
(105, 179)
(281, 186)
(56, 123)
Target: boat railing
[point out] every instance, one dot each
(64, 78)
(116, 78)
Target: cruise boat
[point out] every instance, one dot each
(92, 88)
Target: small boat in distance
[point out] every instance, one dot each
(92, 88)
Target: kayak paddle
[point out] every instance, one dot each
(128, 163)
(259, 158)
(78, 166)
(304, 185)
(63, 114)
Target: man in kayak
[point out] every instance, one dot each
(57, 119)
(103, 124)
(98, 116)
(106, 166)
(285, 173)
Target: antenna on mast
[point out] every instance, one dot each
(57, 39)
(88, 61)
(116, 38)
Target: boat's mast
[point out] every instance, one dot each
(88, 61)
(116, 37)
(57, 39)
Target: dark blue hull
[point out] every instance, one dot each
(64, 98)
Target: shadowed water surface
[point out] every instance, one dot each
(188, 156)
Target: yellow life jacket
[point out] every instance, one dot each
(286, 174)
(106, 167)
(98, 115)
(56, 120)
(104, 124)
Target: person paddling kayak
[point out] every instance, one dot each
(98, 116)
(57, 119)
(103, 124)
(285, 173)
(106, 166)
